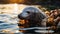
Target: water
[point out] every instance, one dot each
(8, 24)
(9, 20)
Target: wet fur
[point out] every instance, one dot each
(35, 19)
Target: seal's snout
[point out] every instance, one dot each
(19, 16)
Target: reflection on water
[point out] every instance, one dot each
(9, 25)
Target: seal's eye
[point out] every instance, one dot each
(28, 12)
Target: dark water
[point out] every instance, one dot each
(14, 28)
(9, 28)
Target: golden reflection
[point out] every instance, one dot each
(16, 1)
(50, 19)
(47, 13)
(22, 21)
(23, 24)
(6, 31)
(22, 30)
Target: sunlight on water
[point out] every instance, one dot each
(8, 24)
(9, 20)
(16, 8)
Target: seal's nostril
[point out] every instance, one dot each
(28, 12)
(19, 16)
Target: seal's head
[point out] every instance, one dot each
(31, 13)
